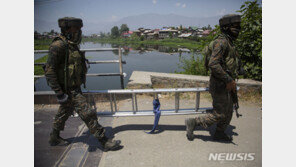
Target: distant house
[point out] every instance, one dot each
(95, 36)
(127, 34)
(156, 30)
(185, 35)
(165, 33)
(37, 35)
(146, 31)
(137, 32)
(193, 28)
(206, 33)
(153, 35)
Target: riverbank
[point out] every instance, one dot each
(43, 44)
(174, 42)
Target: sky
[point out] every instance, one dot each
(108, 11)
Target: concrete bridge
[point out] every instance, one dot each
(167, 147)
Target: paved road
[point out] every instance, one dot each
(167, 148)
(84, 149)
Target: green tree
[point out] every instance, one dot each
(135, 37)
(181, 28)
(209, 27)
(170, 34)
(249, 42)
(123, 28)
(115, 32)
(193, 65)
(142, 37)
(102, 35)
(51, 32)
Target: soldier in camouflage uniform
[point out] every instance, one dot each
(65, 72)
(223, 64)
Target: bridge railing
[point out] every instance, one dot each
(119, 61)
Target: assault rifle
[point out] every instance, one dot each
(234, 99)
(235, 102)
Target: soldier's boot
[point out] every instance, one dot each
(55, 138)
(109, 144)
(222, 136)
(190, 125)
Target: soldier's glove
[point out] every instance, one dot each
(231, 86)
(62, 98)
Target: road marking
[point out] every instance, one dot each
(76, 154)
(79, 132)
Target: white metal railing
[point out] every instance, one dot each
(119, 61)
(136, 112)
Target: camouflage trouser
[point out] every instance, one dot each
(222, 114)
(77, 102)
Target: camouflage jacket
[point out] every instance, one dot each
(223, 61)
(60, 51)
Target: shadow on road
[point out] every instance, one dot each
(94, 144)
(162, 128)
(91, 141)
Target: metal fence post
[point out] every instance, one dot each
(133, 103)
(197, 100)
(115, 105)
(111, 103)
(177, 101)
(120, 68)
(136, 103)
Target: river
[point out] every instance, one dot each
(154, 59)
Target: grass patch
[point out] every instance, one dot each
(174, 42)
(42, 44)
(38, 70)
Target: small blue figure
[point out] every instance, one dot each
(157, 113)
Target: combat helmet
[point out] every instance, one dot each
(229, 19)
(70, 22)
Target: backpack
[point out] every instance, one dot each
(207, 52)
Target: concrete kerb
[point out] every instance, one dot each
(145, 79)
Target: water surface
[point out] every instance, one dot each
(154, 59)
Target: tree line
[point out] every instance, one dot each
(116, 32)
(248, 44)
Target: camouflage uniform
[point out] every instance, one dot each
(223, 64)
(76, 73)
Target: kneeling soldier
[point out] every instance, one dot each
(223, 63)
